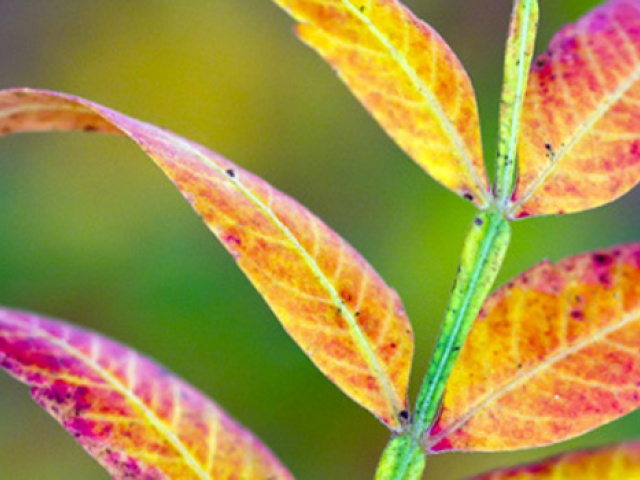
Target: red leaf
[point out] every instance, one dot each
(137, 419)
(580, 146)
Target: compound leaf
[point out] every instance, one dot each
(328, 298)
(580, 142)
(608, 463)
(408, 79)
(553, 354)
(131, 415)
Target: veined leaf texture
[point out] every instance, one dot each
(134, 417)
(553, 354)
(580, 146)
(408, 78)
(328, 298)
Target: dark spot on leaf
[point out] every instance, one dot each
(230, 173)
(605, 279)
(468, 196)
(403, 416)
(478, 221)
(232, 239)
(89, 128)
(577, 314)
(602, 259)
(81, 427)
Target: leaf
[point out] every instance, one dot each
(134, 417)
(553, 354)
(408, 79)
(580, 143)
(610, 463)
(333, 304)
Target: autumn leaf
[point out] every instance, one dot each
(609, 463)
(553, 354)
(333, 304)
(408, 79)
(580, 143)
(135, 418)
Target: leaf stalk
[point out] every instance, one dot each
(482, 255)
(517, 62)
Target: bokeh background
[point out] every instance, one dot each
(91, 231)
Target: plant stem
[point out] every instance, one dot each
(517, 61)
(402, 459)
(482, 255)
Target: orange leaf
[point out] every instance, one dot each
(553, 354)
(409, 80)
(580, 146)
(134, 417)
(332, 303)
(610, 463)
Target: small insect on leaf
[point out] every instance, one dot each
(131, 415)
(555, 353)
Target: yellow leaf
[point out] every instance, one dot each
(554, 353)
(408, 79)
(328, 298)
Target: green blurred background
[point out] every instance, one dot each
(92, 232)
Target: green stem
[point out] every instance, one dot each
(482, 255)
(517, 61)
(402, 459)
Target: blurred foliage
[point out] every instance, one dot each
(91, 232)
